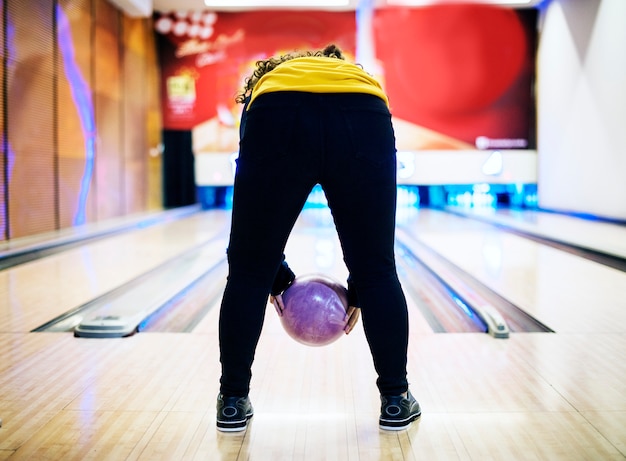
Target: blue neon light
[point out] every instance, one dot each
(81, 94)
(468, 311)
(9, 154)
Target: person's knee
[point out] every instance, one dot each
(367, 284)
(382, 272)
(252, 269)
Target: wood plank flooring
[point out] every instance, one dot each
(151, 396)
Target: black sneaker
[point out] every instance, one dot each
(233, 413)
(398, 412)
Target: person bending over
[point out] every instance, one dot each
(314, 118)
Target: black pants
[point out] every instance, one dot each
(291, 142)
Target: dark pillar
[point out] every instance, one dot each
(179, 187)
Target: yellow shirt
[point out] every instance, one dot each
(318, 75)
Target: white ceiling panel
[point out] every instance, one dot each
(337, 5)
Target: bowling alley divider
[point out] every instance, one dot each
(129, 308)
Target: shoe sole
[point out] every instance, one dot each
(233, 426)
(388, 425)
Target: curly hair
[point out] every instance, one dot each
(266, 65)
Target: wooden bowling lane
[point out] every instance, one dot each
(151, 396)
(35, 292)
(596, 235)
(565, 292)
(315, 248)
(33, 247)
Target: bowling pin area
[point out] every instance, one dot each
(109, 343)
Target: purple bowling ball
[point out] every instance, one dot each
(315, 310)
